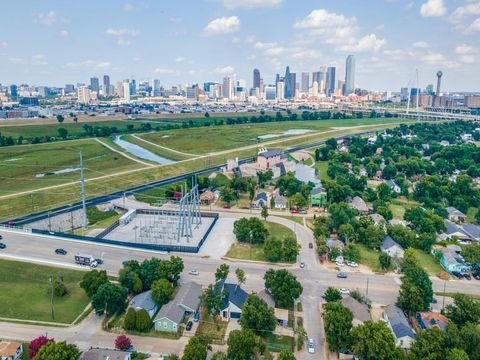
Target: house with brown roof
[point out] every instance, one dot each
(359, 204)
(207, 197)
(10, 350)
(360, 311)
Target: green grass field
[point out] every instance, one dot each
(369, 257)
(322, 167)
(399, 205)
(428, 262)
(255, 251)
(217, 138)
(25, 292)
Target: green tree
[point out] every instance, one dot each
(457, 354)
(471, 253)
(338, 326)
(298, 201)
(463, 310)
(341, 214)
(264, 212)
(162, 291)
(385, 261)
(222, 272)
(219, 356)
(430, 345)
(241, 277)
(410, 298)
(130, 319)
(291, 249)
(469, 340)
(110, 298)
(252, 230)
(63, 133)
(384, 192)
(60, 289)
(371, 235)
(212, 300)
(92, 280)
(243, 345)
(273, 249)
(60, 118)
(196, 349)
(283, 286)
(419, 278)
(58, 351)
(130, 280)
(409, 260)
(285, 355)
(374, 341)
(332, 294)
(352, 253)
(143, 322)
(257, 316)
(227, 195)
(347, 233)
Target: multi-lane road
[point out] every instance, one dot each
(315, 278)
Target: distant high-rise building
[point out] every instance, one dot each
(305, 82)
(429, 89)
(126, 90)
(330, 81)
(289, 85)
(350, 75)
(227, 88)
(293, 84)
(270, 93)
(106, 85)
(83, 94)
(94, 84)
(156, 87)
(280, 90)
(119, 89)
(13, 92)
(69, 88)
(133, 87)
(256, 78)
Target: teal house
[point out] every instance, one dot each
(318, 197)
(452, 261)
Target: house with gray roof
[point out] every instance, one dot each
(360, 311)
(186, 302)
(359, 204)
(398, 324)
(392, 248)
(105, 354)
(394, 186)
(144, 301)
(464, 232)
(280, 202)
(455, 215)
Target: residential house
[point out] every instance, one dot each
(234, 299)
(394, 186)
(455, 215)
(10, 350)
(186, 302)
(335, 244)
(280, 202)
(105, 354)
(429, 320)
(360, 311)
(306, 174)
(372, 140)
(378, 219)
(398, 324)
(280, 314)
(318, 197)
(463, 232)
(466, 137)
(444, 143)
(392, 248)
(261, 200)
(451, 260)
(268, 159)
(359, 204)
(207, 197)
(398, 222)
(144, 301)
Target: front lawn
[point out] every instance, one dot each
(428, 262)
(278, 343)
(25, 292)
(213, 330)
(369, 257)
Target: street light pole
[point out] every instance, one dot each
(51, 297)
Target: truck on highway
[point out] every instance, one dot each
(85, 259)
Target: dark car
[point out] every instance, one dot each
(189, 326)
(467, 276)
(99, 261)
(342, 275)
(310, 245)
(1, 237)
(60, 251)
(476, 276)
(457, 274)
(2, 246)
(434, 301)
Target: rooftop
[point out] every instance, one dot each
(144, 301)
(9, 348)
(359, 310)
(398, 322)
(104, 354)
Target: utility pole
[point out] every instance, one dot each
(367, 288)
(84, 206)
(51, 297)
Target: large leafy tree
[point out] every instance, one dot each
(257, 316)
(463, 310)
(196, 348)
(471, 253)
(283, 286)
(222, 272)
(469, 340)
(341, 214)
(273, 249)
(338, 326)
(410, 298)
(58, 351)
(162, 291)
(251, 231)
(92, 280)
(110, 298)
(243, 345)
(212, 299)
(291, 249)
(374, 341)
(332, 294)
(430, 345)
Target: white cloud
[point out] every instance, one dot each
(180, 59)
(367, 43)
(122, 32)
(93, 64)
(129, 7)
(307, 54)
(433, 8)
(322, 18)
(465, 49)
(421, 45)
(49, 18)
(263, 45)
(472, 8)
(3, 44)
(224, 70)
(123, 42)
(250, 4)
(223, 25)
(474, 27)
(163, 71)
(468, 59)
(64, 33)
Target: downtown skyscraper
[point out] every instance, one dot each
(330, 81)
(349, 75)
(290, 83)
(256, 79)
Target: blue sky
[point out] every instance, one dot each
(53, 42)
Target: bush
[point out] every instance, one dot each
(143, 322)
(130, 319)
(122, 342)
(385, 261)
(59, 288)
(94, 215)
(36, 344)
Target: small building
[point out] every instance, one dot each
(360, 311)
(455, 215)
(463, 232)
(452, 261)
(144, 301)
(280, 202)
(394, 186)
(233, 301)
(207, 197)
(397, 222)
(318, 197)
(105, 354)
(261, 200)
(466, 137)
(444, 143)
(378, 219)
(429, 320)
(359, 204)
(392, 248)
(10, 350)
(372, 140)
(268, 159)
(398, 324)
(335, 244)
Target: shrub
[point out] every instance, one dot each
(130, 319)
(143, 322)
(59, 288)
(36, 344)
(122, 342)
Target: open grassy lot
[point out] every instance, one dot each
(214, 330)
(428, 262)
(217, 138)
(399, 205)
(369, 257)
(21, 166)
(25, 292)
(255, 251)
(322, 167)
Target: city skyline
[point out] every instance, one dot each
(217, 38)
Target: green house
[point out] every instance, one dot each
(318, 197)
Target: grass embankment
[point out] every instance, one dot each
(172, 155)
(255, 252)
(25, 292)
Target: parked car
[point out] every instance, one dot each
(476, 276)
(310, 245)
(1, 237)
(302, 264)
(338, 263)
(434, 301)
(311, 346)
(99, 261)
(467, 276)
(60, 251)
(196, 316)
(193, 272)
(303, 212)
(352, 264)
(295, 212)
(342, 275)
(344, 291)
(2, 246)
(189, 326)
(457, 274)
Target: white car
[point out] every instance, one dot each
(344, 291)
(352, 264)
(193, 272)
(311, 346)
(302, 265)
(338, 263)
(94, 264)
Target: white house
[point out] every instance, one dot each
(394, 186)
(392, 248)
(398, 324)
